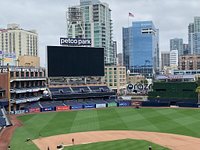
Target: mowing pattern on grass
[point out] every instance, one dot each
(178, 121)
(126, 144)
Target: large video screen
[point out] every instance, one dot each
(75, 61)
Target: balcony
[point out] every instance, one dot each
(25, 90)
(27, 99)
(27, 79)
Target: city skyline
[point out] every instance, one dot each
(48, 18)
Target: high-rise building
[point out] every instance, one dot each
(190, 37)
(120, 59)
(141, 48)
(127, 46)
(92, 19)
(196, 24)
(174, 58)
(18, 41)
(75, 26)
(165, 57)
(186, 49)
(194, 36)
(115, 52)
(177, 44)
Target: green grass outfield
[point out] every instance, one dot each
(178, 121)
(127, 144)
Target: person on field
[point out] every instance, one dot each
(73, 141)
(150, 148)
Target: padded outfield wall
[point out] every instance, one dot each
(174, 92)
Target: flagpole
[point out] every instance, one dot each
(128, 21)
(129, 15)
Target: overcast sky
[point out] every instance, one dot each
(48, 17)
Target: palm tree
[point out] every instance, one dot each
(198, 91)
(2, 61)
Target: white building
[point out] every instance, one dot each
(174, 58)
(92, 19)
(20, 42)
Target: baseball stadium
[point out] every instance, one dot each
(78, 111)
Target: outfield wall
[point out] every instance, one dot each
(123, 103)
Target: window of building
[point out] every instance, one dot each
(17, 74)
(36, 74)
(27, 74)
(22, 74)
(40, 74)
(32, 74)
(11, 74)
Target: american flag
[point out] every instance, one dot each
(130, 14)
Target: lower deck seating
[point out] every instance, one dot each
(32, 105)
(2, 121)
(51, 103)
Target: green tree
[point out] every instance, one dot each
(144, 81)
(198, 81)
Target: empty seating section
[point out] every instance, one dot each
(79, 92)
(71, 102)
(60, 105)
(80, 89)
(2, 122)
(1, 113)
(79, 102)
(32, 105)
(100, 88)
(51, 103)
(2, 119)
(60, 90)
(110, 100)
(99, 101)
(73, 97)
(66, 90)
(92, 101)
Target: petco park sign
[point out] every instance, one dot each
(75, 42)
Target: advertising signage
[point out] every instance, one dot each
(75, 42)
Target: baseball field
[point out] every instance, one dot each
(165, 120)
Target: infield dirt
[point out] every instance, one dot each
(171, 141)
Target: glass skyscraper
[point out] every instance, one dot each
(177, 44)
(194, 36)
(141, 48)
(92, 19)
